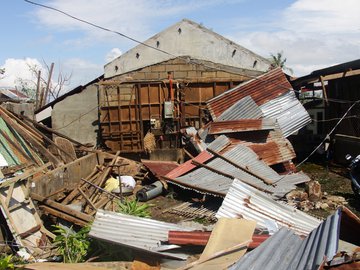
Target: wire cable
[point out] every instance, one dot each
(331, 131)
(186, 59)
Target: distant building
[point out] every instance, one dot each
(156, 90)
(330, 93)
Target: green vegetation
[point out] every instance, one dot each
(278, 60)
(6, 262)
(72, 246)
(134, 208)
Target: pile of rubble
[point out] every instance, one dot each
(314, 198)
(240, 169)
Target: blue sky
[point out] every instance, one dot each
(312, 34)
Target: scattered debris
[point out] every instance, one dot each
(135, 232)
(286, 250)
(244, 201)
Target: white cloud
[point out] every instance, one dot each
(16, 69)
(114, 53)
(82, 71)
(135, 18)
(323, 16)
(312, 34)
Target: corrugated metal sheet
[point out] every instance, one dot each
(247, 202)
(219, 143)
(244, 157)
(160, 168)
(288, 111)
(198, 238)
(285, 250)
(217, 177)
(188, 165)
(245, 108)
(140, 233)
(222, 127)
(271, 146)
(201, 238)
(261, 89)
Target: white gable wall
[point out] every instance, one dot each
(194, 41)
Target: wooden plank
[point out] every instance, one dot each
(63, 208)
(67, 151)
(9, 194)
(25, 175)
(86, 198)
(39, 147)
(40, 125)
(63, 215)
(16, 145)
(73, 194)
(324, 90)
(30, 231)
(21, 215)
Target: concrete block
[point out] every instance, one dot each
(139, 76)
(158, 68)
(180, 74)
(313, 188)
(223, 74)
(209, 74)
(152, 75)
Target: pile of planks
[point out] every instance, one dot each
(80, 205)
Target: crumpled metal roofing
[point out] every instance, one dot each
(286, 250)
(271, 147)
(247, 202)
(245, 108)
(288, 111)
(241, 125)
(216, 176)
(140, 233)
(272, 92)
(261, 89)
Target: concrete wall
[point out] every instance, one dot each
(77, 116)
(209, 72)
(187, 38)
(20, 108)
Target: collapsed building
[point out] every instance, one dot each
(224, 106)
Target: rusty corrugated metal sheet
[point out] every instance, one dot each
(271, 147)
(198, 238)
(245, 108)
(160, 168)
(188, 165)
(216, 176)
(262, 89)
(201, 238)
(223, 127)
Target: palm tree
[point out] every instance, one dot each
(279, 60)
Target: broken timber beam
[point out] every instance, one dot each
(42, 149)
(60, 207)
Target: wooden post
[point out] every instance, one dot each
(38, 87)
(324, 90)
(48, 85)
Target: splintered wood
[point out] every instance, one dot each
(80, 205)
